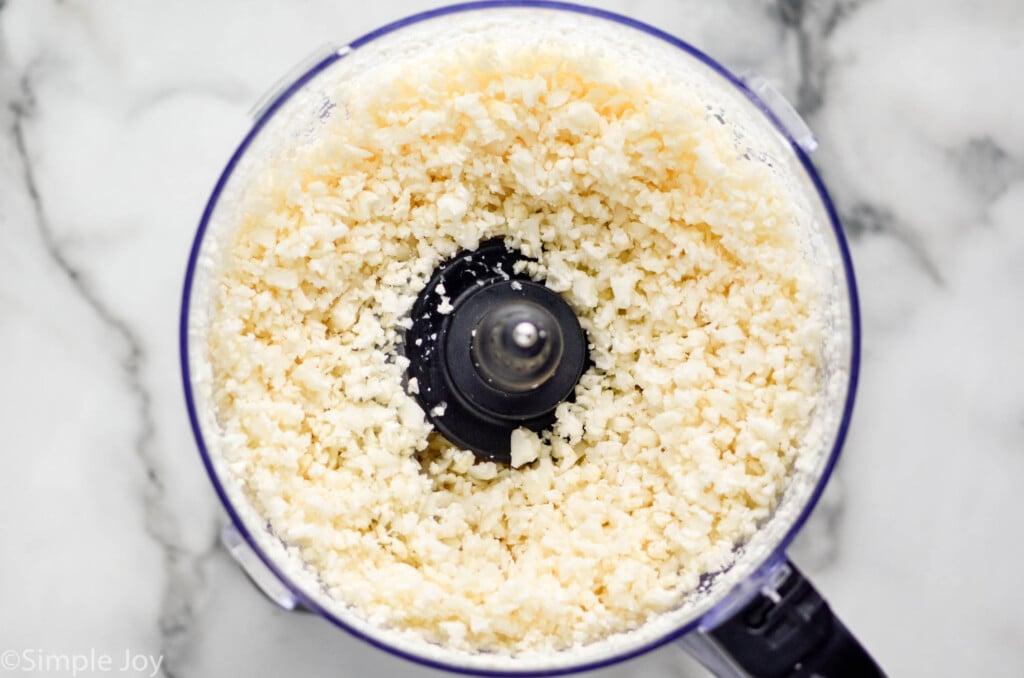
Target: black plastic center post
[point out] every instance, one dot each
(504, 355)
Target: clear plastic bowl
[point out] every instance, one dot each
(291, 115)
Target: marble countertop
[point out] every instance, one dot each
(116, 118)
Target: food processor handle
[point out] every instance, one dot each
(788, 631)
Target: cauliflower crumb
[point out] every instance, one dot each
(678, 249)
(525, 448)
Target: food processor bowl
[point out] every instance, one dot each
(739, 620)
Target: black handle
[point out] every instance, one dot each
(791, 632)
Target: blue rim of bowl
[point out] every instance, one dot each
(316, 69)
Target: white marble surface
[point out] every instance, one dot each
(115, 119)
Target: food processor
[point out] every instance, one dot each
(509, 350)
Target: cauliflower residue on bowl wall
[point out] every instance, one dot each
(678, 249)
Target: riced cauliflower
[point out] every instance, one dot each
(678, 250)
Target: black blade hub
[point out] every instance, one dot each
(505, 353)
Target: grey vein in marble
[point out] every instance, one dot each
(987, 167)
(183, 572)
(813, 20)
(866, 217)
